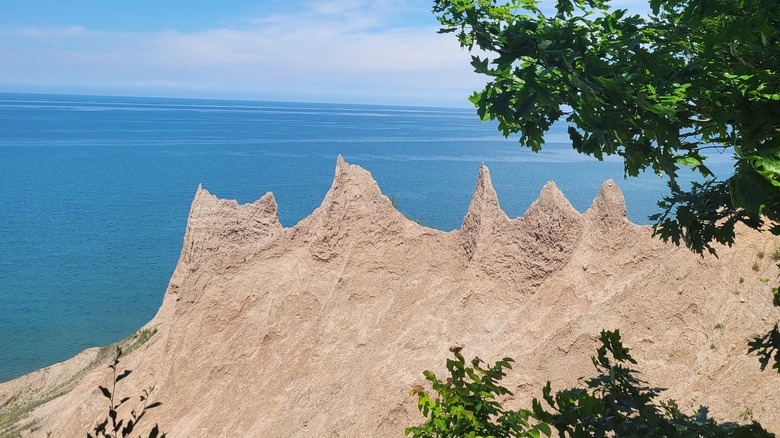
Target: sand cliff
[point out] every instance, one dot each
(321, 329)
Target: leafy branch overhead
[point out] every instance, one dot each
(663, 92)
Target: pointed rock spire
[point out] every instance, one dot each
(354, 204)
(484, 213)
(551, 203)
(341, 167)
(351, 183)
(484, 202)
(609, 207)
(217, 224)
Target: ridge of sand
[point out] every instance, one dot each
(321, 329)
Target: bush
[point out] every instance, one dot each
(614, 403)
(466, 405)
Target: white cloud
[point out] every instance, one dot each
(381, 50)
(327, 50)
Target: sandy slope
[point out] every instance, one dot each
(322, 328)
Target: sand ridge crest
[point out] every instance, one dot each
(321, 329)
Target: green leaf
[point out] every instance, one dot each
(689, 161)
(480, 65)
(767, 166)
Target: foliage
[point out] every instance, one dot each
(466, 405)
(617, 403)
(143, 335)
(661, 92)
(119, 427)
(11, 416)
(614, 403)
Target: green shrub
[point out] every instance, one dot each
(614, 403)
(466, 404)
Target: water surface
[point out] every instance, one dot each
(96, 192)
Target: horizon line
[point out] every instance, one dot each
(228, 99)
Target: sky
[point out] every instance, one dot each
(340, 51)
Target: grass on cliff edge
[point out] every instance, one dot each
(14, 411)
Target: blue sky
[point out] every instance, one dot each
(361, 51)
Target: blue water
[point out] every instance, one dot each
(96, 192)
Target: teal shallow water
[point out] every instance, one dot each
(96, 192)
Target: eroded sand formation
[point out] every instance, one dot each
(321, 329)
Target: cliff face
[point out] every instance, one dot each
(322, 328)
